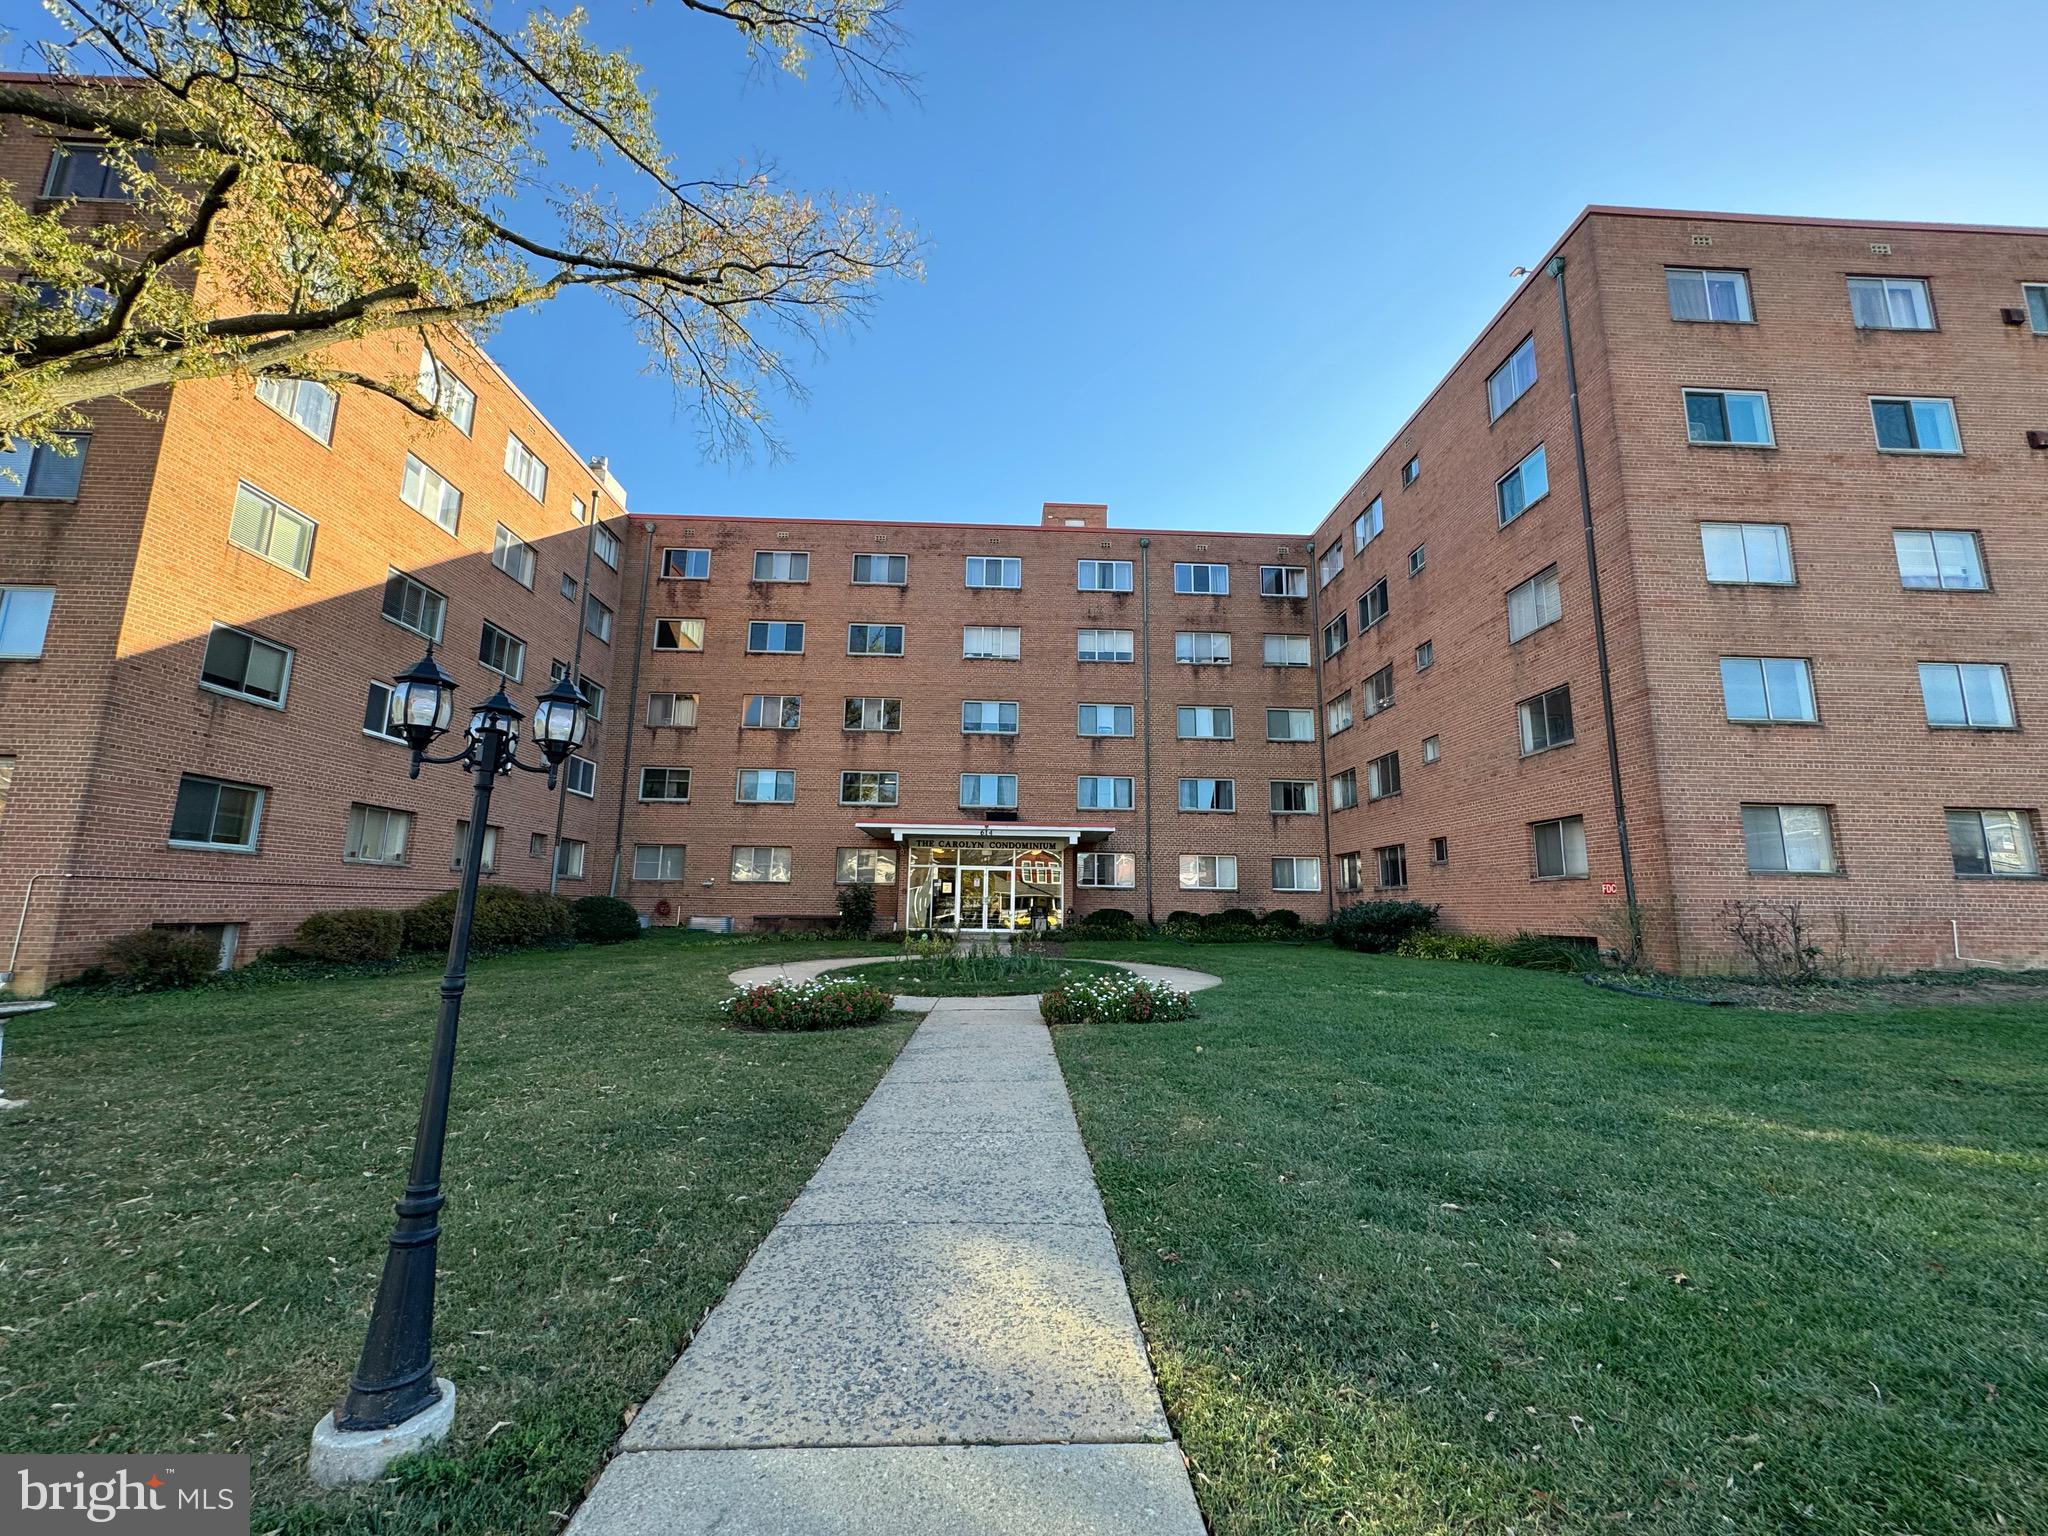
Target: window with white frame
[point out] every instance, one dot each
(1105, 645)
(988, 717)
(688, 635)
(605, 545)
(1106, 871)
(658, 861)
(307, 405)
(239, 664)
(1369, 524)
(25, 621)
(1379, 691)
(771, 637)
(1203, 722)
(1890, 304)
(672, 711)
(1383, 777)
(1283, 581)
(455, 400)
(1292, 797)
(1202, 648)
(1418, 560)
(1915, 424)
(1208, 872)
(216, 814)
(1350, 872)
(874, 639)
(430, 494)
(1534, 604)
(1337, 714)
(1103, 792)
(1102, 576)
(686, 564)
(760, 866)
(1522, 487)
(1939, 560)
(866, 866)
(772, 712)
(1439, 850)
(1425, 656)
(1728, 418)
(44, 471)
(1558, 848)
(377, 712)
(1393, 867)
(579, 775)
(1330, 566)
(2036, 296)
(1789, 839)
(1344, 790)
(570, 587)
(377, 834)
(1747, 554)
(1709, 295)
(665, 786)
(461, 851)
(502, 652)
(782, 565)
(1290, 725)
(1993, 842)
(874, 714)
(1372, 607)
(1967, 694)
(514, 556)
(881, 570)
(1411, 471)
(991, 642)
(997, 571)
(1218, 796)
(865, 787)
(1297, 874)
(1287, 651)
(265, 526)
(1512, 379)
(1546, 721)
(988, 791)
(597, 619)
(527, 467)
(1768, 689)
(1201, 580)
(1432, 748)
(766, 786)
(1336, 635)
(1104, 720)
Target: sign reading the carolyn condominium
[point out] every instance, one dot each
(124, 1495)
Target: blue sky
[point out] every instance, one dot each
(1200, 260)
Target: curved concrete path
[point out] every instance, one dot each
(935, 1340)
(810, 970)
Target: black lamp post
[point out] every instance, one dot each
(394, 1380)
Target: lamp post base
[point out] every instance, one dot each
(360, 1456)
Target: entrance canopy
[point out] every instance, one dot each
(960, 831)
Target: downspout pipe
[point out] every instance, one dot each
(575, 676)
(633, 702)
(1322, 720)
(1145, 674)
(1554, 270)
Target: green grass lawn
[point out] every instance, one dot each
(194, 1203)
(1424, 1248)
(974, 975)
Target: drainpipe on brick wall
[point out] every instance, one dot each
(1145, 676)
(1315, 644)
(576, 677)
(1555, 272)
(633, 694)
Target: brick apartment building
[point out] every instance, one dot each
(1808, 480)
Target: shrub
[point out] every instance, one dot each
(1281, 917)
(1778, 942)
(604, 920)
(1108, 923)
(1122, 999)
(352, 935)
(856, 910)
(1377, 927)
(1475, 948)
(158, 959)
(506, 918)
(1545, 952)
(782, 1005)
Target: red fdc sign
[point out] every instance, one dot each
(1609, 888)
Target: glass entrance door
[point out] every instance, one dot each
(963, 886)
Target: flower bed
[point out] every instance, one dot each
(1119, 999)
(784, 1005)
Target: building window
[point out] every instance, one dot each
(1336, 635)
(377, 835)
(686, 564)
(1208, 872)
(1297, 874)
(1393, 867)
(1537, 602)
(1778, 689)
(766, 637)
(782, 565)
(1383, 777)
(43, 471)
(490, 861)
(1411, 471)
(265, 526)
(865, 788)
(658, 861)
(1293, 797)
(1105, 645)
(213, 813)
(1559, 848)
(1350, 872)
(605, 545)
(1520, 488)
(1890, 304)
(1202, 648)
(1102, 576)
(593, 694)
(1372, 607)
(1512, 379)
(1439, 850)
(579, 775)
(988, 717)
(670, 786)
(1432, 748)
(94, 172)
(866, 866)
(570, 587)
(874, 714)
(1993, 843)
(1106, 871)
(238, 663)
(1201, 580)
(1418, 559)
(988, 791)
(766, 786)
(760, 866)
(1546, 721)
(570, 856)
(1290, 725)
(1706, 295)
(1337, 714)
(1908, 424)
(772, 712)
(25, 621)
(415, 606)
(678, 710)
(525, 466)
(597, 619)
(1287, 651)
(999, 571)
(1369, 524)
(377, 713)
(1728, 418)
(1344, 790)
(1217, 795)
(1966, 694)
(1747, 554)
(1331, 566)
(1789, 839)
(502, 653)
(305, 404)
(1939, 559)
(452, 398)
(1203, 722)
(1379, 691)
(1283, 581)
(688, 635)
(991, 642)
(1425, 656)
(514, 556)
(1104, 720)
(881, 570)
(430, 495)
(1102, 792)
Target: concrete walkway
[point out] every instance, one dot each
(935, 1339)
